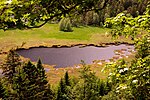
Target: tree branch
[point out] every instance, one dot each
(65, 12)
(59, 14)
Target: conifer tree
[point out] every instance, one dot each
(62, 93)
(102, 88)
(10, 64)
(108, 87)
(4, 92)
(20, 85)
(41, 73)
(67, 80)
(43, 87)
(87, 87)
(27, 85)
(30, 70)
(49, 94)
(1, 89)
(64, 88)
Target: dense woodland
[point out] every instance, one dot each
(127, 80)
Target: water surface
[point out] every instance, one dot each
(63, 57)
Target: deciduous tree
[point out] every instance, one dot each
(36, 13)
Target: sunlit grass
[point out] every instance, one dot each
(49, 35)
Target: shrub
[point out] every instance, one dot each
(95, 19)
(65, 25)
(92, 18)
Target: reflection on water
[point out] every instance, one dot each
(62, 57)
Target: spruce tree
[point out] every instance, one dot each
(27, 85)
(61, 92)
(2, 90)
(102, 88)
(10, 64)
(31, 77)
(64, 88)
(48, 94)
(42, 79)
(43, 87)
(67, 80)
(24, 80)
(108, 87)
(87, 87)
(20, 85)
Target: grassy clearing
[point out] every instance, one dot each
(49, 35)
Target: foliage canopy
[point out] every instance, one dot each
(35, 13)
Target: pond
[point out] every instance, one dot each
(64, 57)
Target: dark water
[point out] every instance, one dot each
(62, 57)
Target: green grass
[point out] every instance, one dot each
(82, 33)
(47, 34)
(50, 35)
(52, 31)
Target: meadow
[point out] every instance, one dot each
(50, 35)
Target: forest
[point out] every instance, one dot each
(126, 79)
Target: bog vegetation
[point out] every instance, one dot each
(23, 80)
